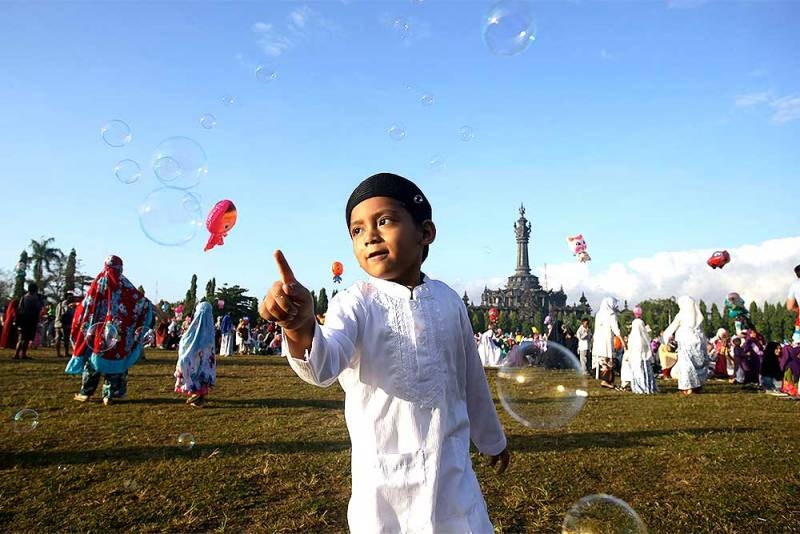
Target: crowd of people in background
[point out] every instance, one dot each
(634, 357)
(631, 357)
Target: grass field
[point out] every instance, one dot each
(272, 455)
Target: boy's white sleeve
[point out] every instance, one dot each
(334, 345)
(485, 429)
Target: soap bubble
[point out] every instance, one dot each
(26, 420)
(62, 467)
(208, 121)
(401, 27)
(427, 99)
(265, 74)
(116, 133)
(602, 514)
(127, 171)
(180, 162)
(466, 133)
(397, 131)
(541, 384)
(170, 216)
(228, 100)
(508, 27)
(101, 336)
(437, 163)
(186, 441)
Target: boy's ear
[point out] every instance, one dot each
(428, 232)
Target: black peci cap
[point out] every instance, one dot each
(390, 185)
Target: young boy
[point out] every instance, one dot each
(401, 346)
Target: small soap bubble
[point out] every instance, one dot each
(186, 441)
(508, 27)
(62, 468)
(427, 99)
(401, 27)
(208, 121)
(397, 131)
(602, 514)
(437, 163)
(116, 133)
(466, 133)
(102, 336)
(26, 420)
(265, 74)
(228, 100)
(170, 216)
(127, 171)
(541, 384)
(180, 162)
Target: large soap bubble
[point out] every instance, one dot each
(541, 384)
(102, 336)
(180, 162)
(170, 216)
(602, 514)
(508, 27)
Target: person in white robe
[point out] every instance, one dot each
(640, 357)
(605, 328)
(226, 336)
(491, 355)
(401, 346)
(692, 364)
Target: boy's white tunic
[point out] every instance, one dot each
(416, 393)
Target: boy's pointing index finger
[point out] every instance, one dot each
(287, 276)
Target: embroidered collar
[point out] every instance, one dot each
(400, 291)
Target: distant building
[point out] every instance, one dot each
(523, 294)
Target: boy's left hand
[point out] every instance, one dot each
(501, 461)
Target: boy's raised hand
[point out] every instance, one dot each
(290, 305)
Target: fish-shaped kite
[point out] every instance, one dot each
(220, 220)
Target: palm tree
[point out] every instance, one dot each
(43, 255)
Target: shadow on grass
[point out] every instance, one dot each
(608, 440)
(162, 452)
(277, 403)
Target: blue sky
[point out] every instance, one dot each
(652, 128)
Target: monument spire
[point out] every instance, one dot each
(522, 228)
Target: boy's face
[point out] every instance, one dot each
(387, 243)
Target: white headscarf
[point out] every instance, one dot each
(608, 307)
(689, 317)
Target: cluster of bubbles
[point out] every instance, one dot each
(602, 514)
(186, 441)
(25, 420)
(542, 385)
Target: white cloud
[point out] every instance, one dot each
(302, 25)
(786, 109)
(752, 99)
(758, 272)
(685, 4)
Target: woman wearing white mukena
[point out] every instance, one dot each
(605, 328)
(692, 364)
(639, 356)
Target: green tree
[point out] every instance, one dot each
(69, 271)
(706, 322)
(322, 302)
(333, 293)
(19, 280)
(211, 289)
(44, 257)
(237, 303)
(191, 297)
(716, 318)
